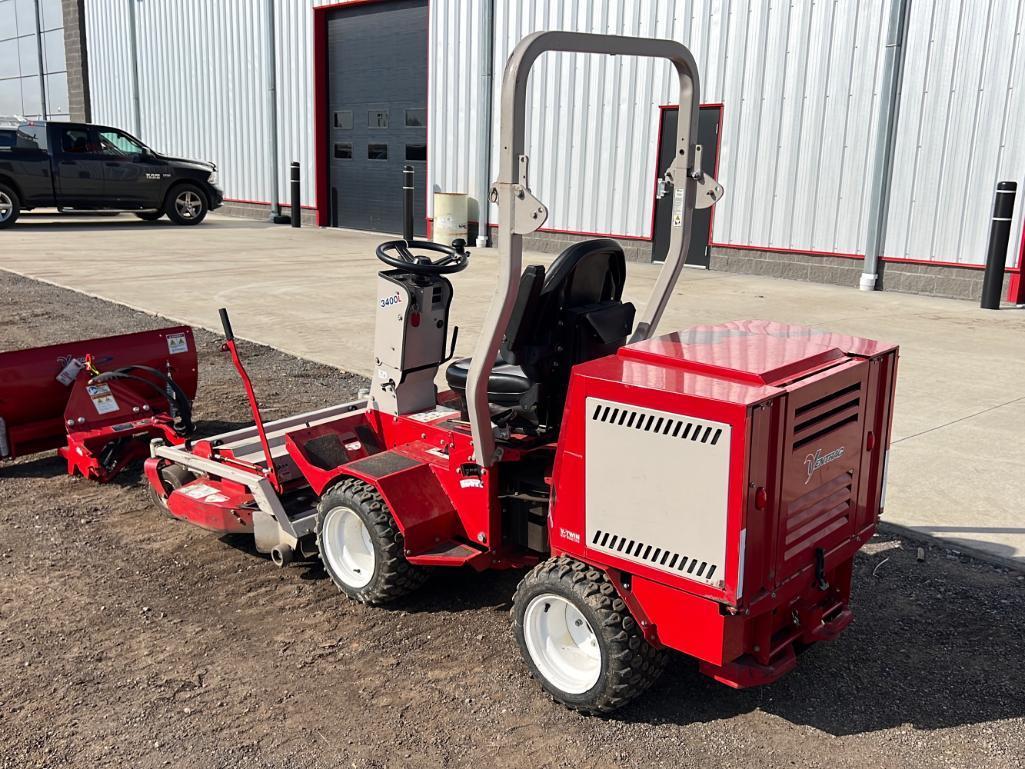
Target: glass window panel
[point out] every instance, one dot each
(28, 53)
(31, 96)
(343, 119)
(53, 16)
(53, 51)
(10, 97)
(8, 138)
(416, 152)
(75, 141)
(416, 118)
(32, 137)
(9, 59)
(377, 152)
(377, 118)
(116, 143)
(25, 11)
(57, 92)
(8, 20)
(343, 151)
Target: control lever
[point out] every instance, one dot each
(230, 347)
(452, 347)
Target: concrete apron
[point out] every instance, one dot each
(957, 469)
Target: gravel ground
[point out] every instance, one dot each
(130, 639)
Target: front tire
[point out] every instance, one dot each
(186, 204)
(149, 216)
(578, 638)
(361, 546)
(10, 206)
(172, 477)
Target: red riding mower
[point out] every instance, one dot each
(703, 491)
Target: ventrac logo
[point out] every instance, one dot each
(388, 301)
(818, 460)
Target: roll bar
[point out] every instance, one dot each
(520, 213)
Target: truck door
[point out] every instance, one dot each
(78, 167)
(133, 177)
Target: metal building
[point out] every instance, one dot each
(838, 127)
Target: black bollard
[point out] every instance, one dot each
(407, 203)
(999, 235)
(297, 218)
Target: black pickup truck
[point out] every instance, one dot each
(79, 167)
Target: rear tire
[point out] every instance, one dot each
(361, 546)
(10, 206)
(186, 204)
(578, 638)
(149, 216)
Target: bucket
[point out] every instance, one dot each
(449, 217)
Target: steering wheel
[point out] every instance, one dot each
(396, 253)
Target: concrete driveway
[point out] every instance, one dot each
(957, 467)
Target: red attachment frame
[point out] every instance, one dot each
(97, 429)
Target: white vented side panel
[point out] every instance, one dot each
(656, 489)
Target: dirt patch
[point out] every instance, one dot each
(131, 639)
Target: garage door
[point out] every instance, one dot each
(377, 108)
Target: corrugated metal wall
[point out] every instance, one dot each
(201, 68)
(798, 80)
(961, 128)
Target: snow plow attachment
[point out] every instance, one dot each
(98, 401)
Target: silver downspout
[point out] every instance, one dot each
(271, 108)
(485, 98)
(886, 132)
(133, 56)
(39, 54)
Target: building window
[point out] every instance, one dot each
(377, 152)
(377, 118)
(343, 151)
(343, 119)
(416, 118)
(416, 152)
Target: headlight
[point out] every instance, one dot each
(212, 179)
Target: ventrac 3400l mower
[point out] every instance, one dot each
(704, 491)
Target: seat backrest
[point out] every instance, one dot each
(572, 314)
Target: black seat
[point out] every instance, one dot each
(572, 314)
(506, 385)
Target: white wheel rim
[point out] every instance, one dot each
(188, 204)
(348, 549)
(561, 643)
(6, 206)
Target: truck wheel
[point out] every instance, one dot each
(579, 639)
(10, 206)
(361, 546)
(186, 204)
(149, 216)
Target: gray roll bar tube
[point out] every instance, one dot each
(520, 213)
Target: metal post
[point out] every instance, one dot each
(407, 203)
(133, 54)
(271, 111)
(485, 94)
(297, 220)
(999, 235)
(886, 132)
(42, 68)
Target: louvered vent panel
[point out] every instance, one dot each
(817, 514)
(831, 412)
